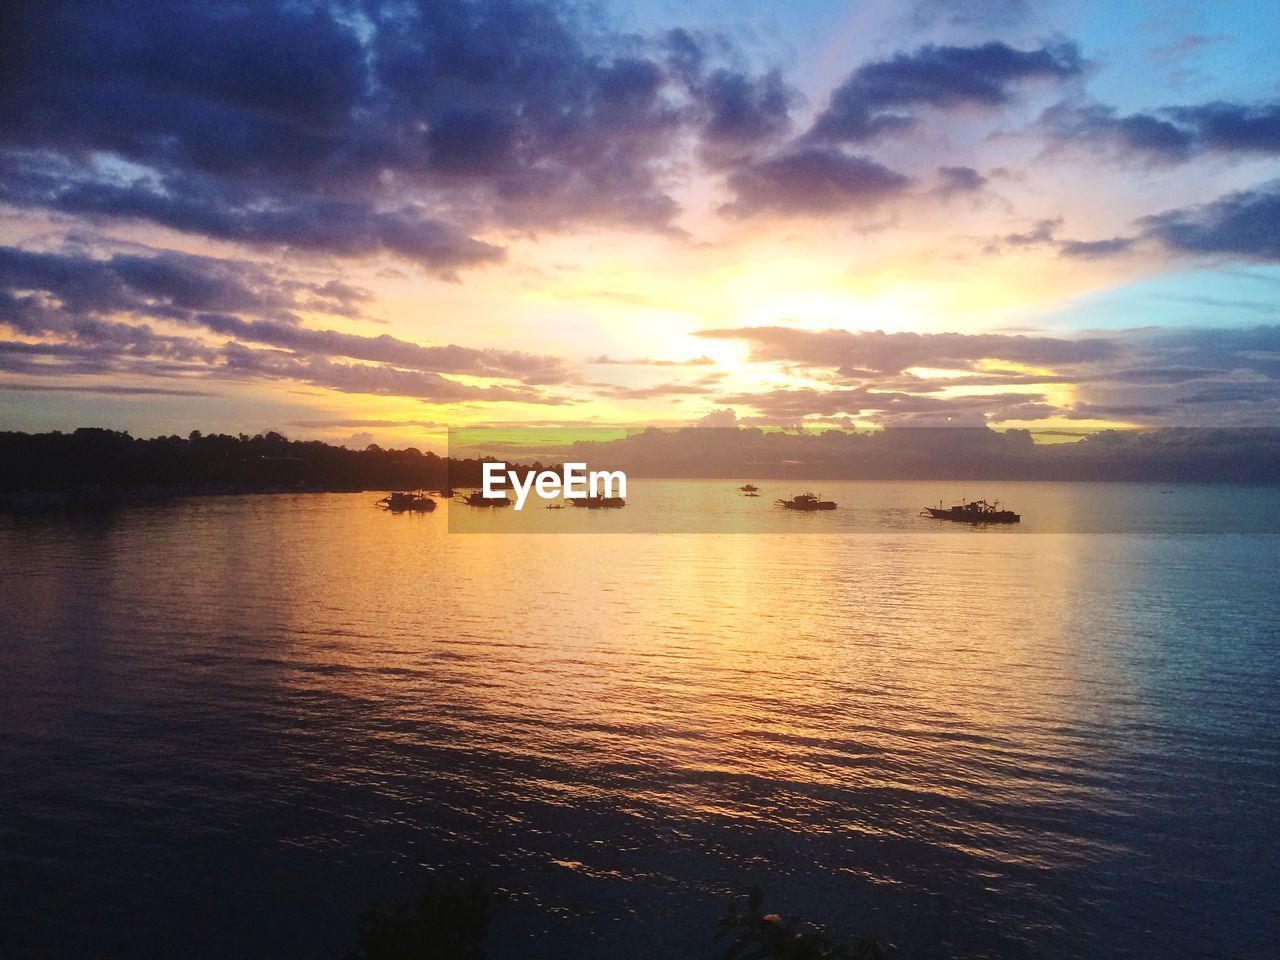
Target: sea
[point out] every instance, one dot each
(230, 724)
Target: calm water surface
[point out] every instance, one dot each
(227, 724)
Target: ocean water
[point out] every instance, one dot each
(228, 724)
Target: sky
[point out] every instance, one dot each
(366, 221)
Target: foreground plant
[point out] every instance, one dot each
(761, 936)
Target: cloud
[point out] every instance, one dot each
(702, 361)
(1095, 124)
(57, 293)
(199, 205)
(399, 129)
(1159, 376)
(350, 423)
(953, 181)
(743, 113)
(73, 303)
(1240, 225)
(241, 362)
(969, 13)
(875, 98)
(812, 180)
(795, 404)
(1095, 249)
(1170, 134)
(895, 352)
(657, 391)
(107, 389)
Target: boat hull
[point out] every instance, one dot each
(975, 519)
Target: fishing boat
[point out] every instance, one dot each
(973, 511)
(402, 501)
(599, 502)
(749, 488)
(478, 499)
(807, 501)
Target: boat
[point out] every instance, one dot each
(751, 494)
(598, 502)
(478, 499)
(807, 501)
(973, 511)
(749, 488)
(402, 501)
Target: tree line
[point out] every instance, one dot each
(96, 460)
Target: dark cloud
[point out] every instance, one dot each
(1095, 249)
(812, 180)
(1114, 411)
(1171, 134)
(95, 315)
(876, 98)
(1230, 126)
(397, 128)
(743, 113)
(1042, 231)
(894, 352)
(1243, 225)
(1096, 124)
(204, 206)
(55, 293)
(958, 180)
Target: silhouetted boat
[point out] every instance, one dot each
(600, 502)
(749, 488)
(402, 501)
(478, 499)
(976, 511)
(806, 501)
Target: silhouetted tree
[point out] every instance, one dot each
(448, 922)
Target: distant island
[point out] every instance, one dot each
(93, 464)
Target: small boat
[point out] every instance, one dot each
(749, 488)
(478, 499)
(599, 502)
(407, 501)
(751, 494)
(975, 511)
(807, 501)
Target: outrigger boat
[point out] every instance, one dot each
(478, 499)
(975, 511)
(806, 501)
(598, 502)
(407, 501)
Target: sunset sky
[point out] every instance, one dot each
(364, 221)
